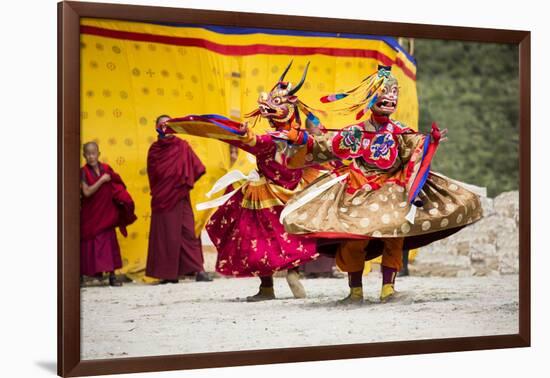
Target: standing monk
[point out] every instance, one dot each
(174, 249)
(105, 205)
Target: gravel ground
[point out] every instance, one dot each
(194, 317)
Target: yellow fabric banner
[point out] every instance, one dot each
(132, 72)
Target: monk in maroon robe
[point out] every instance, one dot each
(105, 205)
(174, 249)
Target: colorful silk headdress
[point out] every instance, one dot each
(366, 93)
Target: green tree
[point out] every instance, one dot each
(473, 90)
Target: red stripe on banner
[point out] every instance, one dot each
(236, 50)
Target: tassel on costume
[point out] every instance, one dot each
(334, 97)
(372, 85)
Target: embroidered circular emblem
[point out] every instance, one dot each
(348, 143)
(382, 151)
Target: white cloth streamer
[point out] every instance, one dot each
(312, 192)
(411, 214)
(222, 183)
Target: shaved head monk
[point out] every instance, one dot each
(105, 205)
(174, 249)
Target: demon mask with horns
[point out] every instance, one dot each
(281, 107)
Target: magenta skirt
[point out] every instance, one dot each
(252, 242)
(100, 254)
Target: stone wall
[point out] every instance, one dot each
(488, 247)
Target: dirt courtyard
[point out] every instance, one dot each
(195, 317)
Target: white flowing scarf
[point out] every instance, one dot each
(224, 181)
(312, 192)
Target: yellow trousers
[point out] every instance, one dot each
(351, 254)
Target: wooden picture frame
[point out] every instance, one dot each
(69, 361)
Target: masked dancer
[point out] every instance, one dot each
(386, 199)
(245, 229)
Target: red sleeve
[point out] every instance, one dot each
(115, 177)
(254, 144)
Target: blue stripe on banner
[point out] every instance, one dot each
(390, 41)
